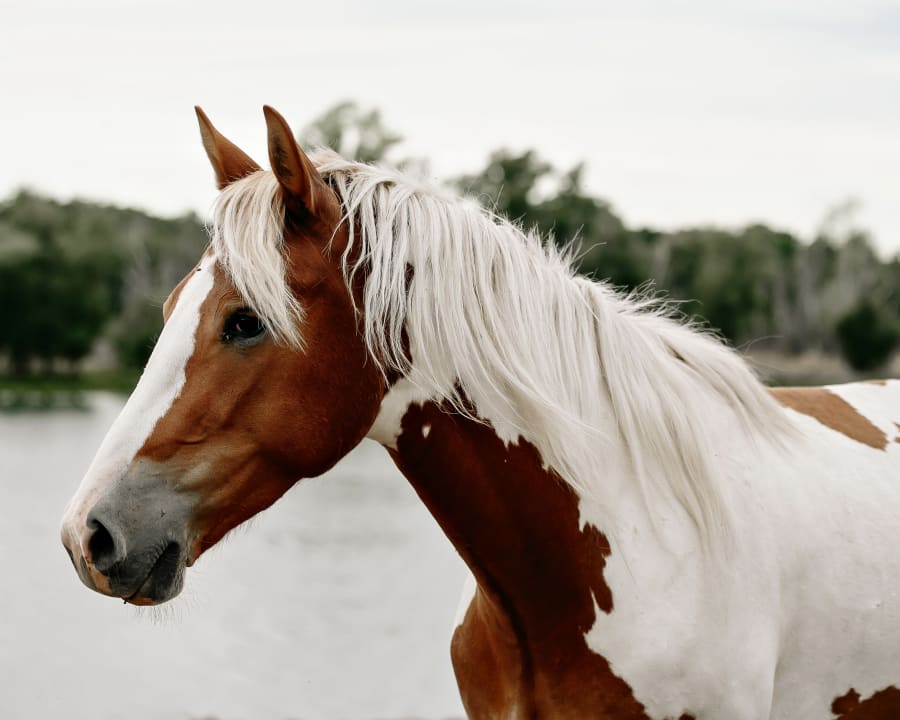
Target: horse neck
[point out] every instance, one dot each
(514, 522)
(525, 533)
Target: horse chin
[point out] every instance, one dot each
(152, 592)
(140, 601)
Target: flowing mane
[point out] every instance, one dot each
(495, 318)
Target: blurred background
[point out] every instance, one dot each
(741, 158)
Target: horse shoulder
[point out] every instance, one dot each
(488, 663)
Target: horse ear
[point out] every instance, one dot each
(228, 160)
(296, 173)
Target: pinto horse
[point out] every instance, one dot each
(651, 532)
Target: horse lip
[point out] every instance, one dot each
(170, 553)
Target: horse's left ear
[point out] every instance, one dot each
(296, 173)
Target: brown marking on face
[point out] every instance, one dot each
(521, 649)
(833, 412)
(883, 705)
(876, 382)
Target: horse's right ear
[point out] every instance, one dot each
(229, 162)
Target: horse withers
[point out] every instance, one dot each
(651, 532)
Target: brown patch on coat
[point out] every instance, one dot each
(833, 412)
(876, 382)
(883, 705)
(521, 650)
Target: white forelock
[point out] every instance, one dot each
(247, 235)
(493, 314)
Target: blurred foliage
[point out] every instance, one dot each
(868, 335)
(76, 277)
(353, 132)
(71, 273)
(753, 285)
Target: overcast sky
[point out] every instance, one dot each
(685, 112)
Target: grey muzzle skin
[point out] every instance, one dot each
(137, 540)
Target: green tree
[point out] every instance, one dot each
(531, 192)
(60, 299)
(71, 273)
(507, 185)
(355, 133)
(868, 335)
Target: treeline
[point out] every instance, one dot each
(75, 274)
(756, 284)
(75, 277)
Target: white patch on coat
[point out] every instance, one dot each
(160, 384)
(407, 392)
(387, 426)
(808, 605)
(470, 587)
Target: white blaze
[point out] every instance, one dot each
(159, 386)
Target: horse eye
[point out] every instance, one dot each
(242, 325)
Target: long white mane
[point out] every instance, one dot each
(496, 317)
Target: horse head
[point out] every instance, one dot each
(231, 410)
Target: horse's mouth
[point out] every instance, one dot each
(164, 580)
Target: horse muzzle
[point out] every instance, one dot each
(133, 542)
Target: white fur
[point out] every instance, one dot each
(808, 606)
(386, 428)
(159, 386)
(495, 316)
(470, 587)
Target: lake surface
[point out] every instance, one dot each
(338, 602)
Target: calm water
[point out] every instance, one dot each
(336, 603)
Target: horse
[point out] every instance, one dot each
(651, 532)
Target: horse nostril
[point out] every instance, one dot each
(102, 546)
